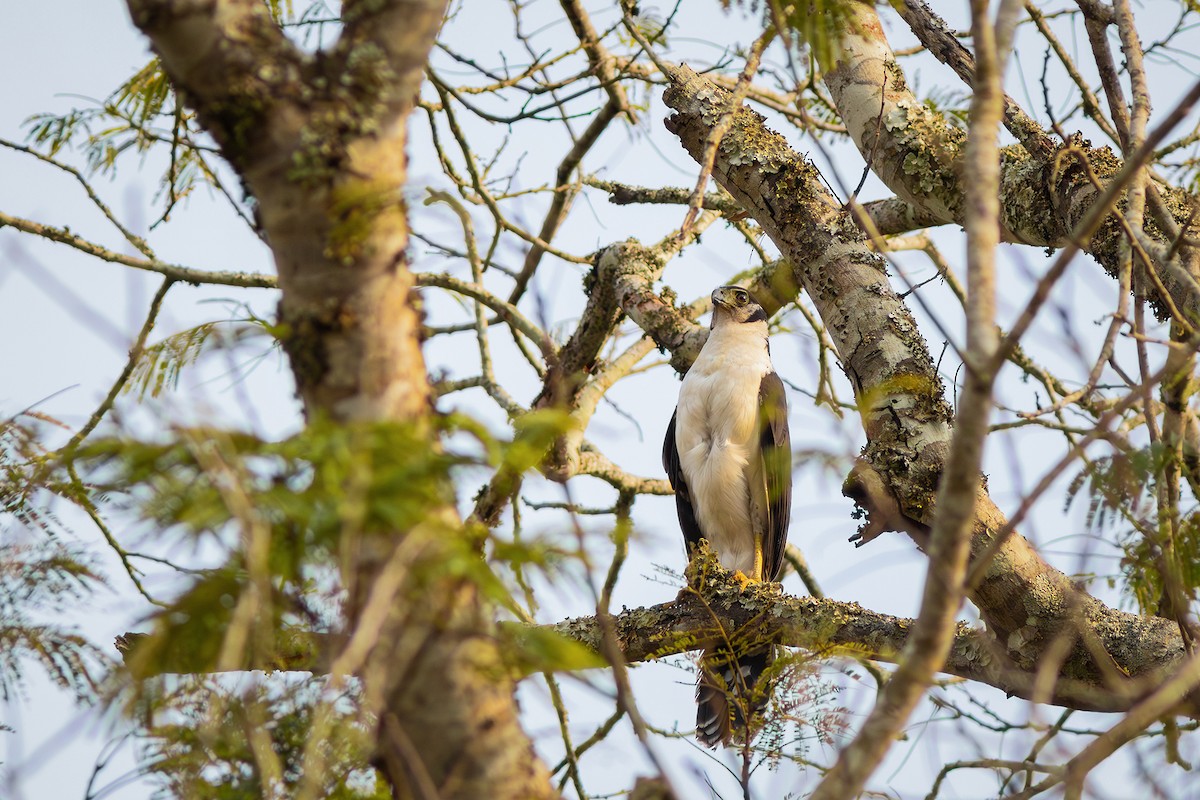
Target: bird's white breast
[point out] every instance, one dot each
(716, 430)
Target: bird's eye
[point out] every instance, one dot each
(742, 296)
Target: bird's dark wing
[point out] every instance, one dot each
(683, 496)
(775, 450)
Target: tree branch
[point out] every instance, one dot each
(1027, 603)
(175, 272)
(950, 534)
(918, 154)
(714, 601)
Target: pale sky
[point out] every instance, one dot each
(68, 320)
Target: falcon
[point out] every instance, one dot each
(728, 458)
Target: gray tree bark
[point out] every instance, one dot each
(320, 144)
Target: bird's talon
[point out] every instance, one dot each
(742, 580)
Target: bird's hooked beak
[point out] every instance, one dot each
(730, 296)
(735, 305)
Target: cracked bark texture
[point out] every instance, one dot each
(320, 144)
(1026, 603)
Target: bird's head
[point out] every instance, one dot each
(733, 304)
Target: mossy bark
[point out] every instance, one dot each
(319, 141)
(1027, 604)
(918, 152)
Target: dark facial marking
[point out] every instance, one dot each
(756, 315)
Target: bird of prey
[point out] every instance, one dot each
(728, 457)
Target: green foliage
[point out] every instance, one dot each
(535, 432)
(41, 577)
(161, 364)
(804, 710)
(40, 582)
(815, 23)
(140, 114)
(21, 474)
(217, 745)
(127, 119)
(294, 514)
(383, 477)
(532, 649)
(1117, 486)
(1122, 488)
(198, 626)
(1141, 563)
(288, 513)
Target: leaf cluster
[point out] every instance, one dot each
(805, 709)
(306, 488)
(38, 582)
(329, 493)
(22, 473)
(285, 512)
(815, 23)
(1122, 488)
(293, 516)
(141, 113)
(1142, 563)
(217, 744)
(41, 576)
(162, 363)
(1118, 486)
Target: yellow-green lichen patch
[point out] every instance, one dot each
(354, 209)
(752, 143)
(928, 149)
(356, 104)
(1025, 197)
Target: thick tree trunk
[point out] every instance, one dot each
(320, 144)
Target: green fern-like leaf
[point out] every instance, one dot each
(146, 96)
(38, 580)
(1120, 491)
(56, 131)
(1117, 487)
(815, 23)
(162, 364)
(206, 747)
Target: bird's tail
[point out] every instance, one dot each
(729, 691)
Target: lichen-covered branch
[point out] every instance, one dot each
(1025, 601)
(823, 627)
(950, 531)
(939, 40)
(919, 155)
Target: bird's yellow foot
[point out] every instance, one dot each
(743, 580)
